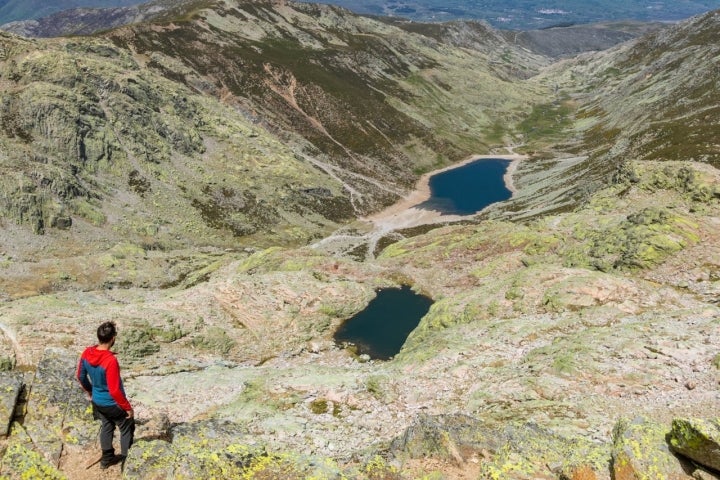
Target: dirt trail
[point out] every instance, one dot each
(74, 464)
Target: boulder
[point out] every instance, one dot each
(155, 428)
(11, 385)
(61, 222)
(698, 440)
(641, 451)
(701, 474)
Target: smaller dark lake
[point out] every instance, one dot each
(468, 189)
(382, 328)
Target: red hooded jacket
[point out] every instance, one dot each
(99, 374)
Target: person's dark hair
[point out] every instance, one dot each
(106, 331)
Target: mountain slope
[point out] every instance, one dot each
(304, 68)
(655, 98)
(98, 152)
(246, 124)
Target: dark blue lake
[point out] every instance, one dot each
(382, 328)
(468, 189)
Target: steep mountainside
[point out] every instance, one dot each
(656, 98)
(97, 151)
(304, 68)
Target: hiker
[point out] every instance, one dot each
(98, 372)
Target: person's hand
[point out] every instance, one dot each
(131, 413)
(88, 396)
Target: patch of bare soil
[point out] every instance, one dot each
(85, 465)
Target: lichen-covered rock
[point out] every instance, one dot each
(697, 439)
(512, 451)
(529, 451)
(21, 461)
(11, 384)
(217, 449)
(444, 436)
(58, 415)
(641, 452)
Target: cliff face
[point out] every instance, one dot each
(175, 167)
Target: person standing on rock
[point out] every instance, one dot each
(98, 372)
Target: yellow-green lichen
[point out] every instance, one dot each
(25, 464)
(640, 451)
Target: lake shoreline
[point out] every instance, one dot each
(404, 214)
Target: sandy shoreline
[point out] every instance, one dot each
(403, 214)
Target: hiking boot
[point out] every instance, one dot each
(109, 462)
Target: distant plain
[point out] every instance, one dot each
(531, 14)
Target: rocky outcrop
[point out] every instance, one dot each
(11, 386)
(55, 418)
(218, 449)
(57, 412)
(503, 451)
(640, 450)
(697, 439)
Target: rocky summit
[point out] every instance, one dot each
(214, 179)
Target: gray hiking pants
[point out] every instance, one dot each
(112, 417)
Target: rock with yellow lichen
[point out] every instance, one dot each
(11, 384)
(509, 451)
(640, 451)
(219, 449)
(697, 439)
(22, 460)
(58, 416)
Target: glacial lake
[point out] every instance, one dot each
(467, 189)
(382, 328)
